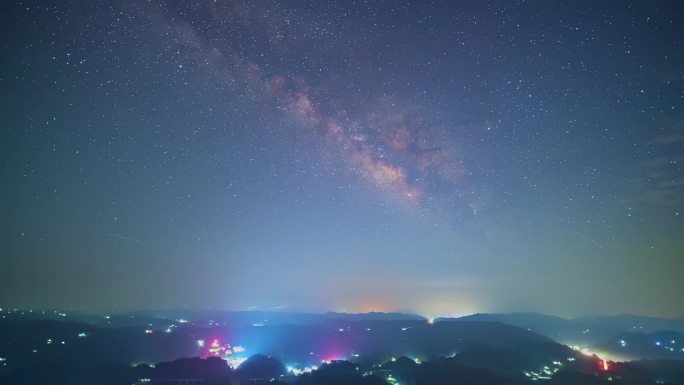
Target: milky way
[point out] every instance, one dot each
(379, 143)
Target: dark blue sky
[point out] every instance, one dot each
(436, 157)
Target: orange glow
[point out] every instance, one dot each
(371, 305)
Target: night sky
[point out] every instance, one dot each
(442, 158)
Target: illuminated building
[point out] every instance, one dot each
(604, 365)
(231, 354)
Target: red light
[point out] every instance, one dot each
(604, 365)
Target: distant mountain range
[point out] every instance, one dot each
(505, 348)
(622, 337)
(619, 337)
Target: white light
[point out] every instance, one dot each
(234, 362)
(200, 343)
(298, 372)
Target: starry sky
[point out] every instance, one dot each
(437, 157)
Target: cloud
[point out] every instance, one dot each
(671, 138)
(674, 135)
